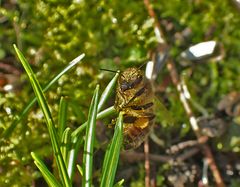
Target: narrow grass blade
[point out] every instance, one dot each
(105, 95)
(72, 156)
(107, 112)
(62, 116)
(65, 144)
(80, 169)
(107, 157)
(119, 183)
(112, 156)
(108, 90)
(75, 137)
(89, 142)
(7, 133)
(50, 125)
(48, 176)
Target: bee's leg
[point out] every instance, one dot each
(112, 124)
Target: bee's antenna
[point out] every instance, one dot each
(142, 65)
(109, 70)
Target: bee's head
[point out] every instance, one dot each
(130, 78)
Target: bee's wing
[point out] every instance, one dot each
(162, 113)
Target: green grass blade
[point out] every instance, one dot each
(107, 112)
(107, 155)
(74, 151)
(75, 140)
(80, 169)
(65, 144)
(50, 125)
(48, 176)
(107, 92)
(62, 116)
(7, 133)
(89, 142)
(72, 156)
(112, 156)
(105, 95)
(119, 183)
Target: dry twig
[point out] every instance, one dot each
(176, 80)
(132, 156)
(147, 163)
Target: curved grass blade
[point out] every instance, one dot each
(107, 157)
(72, 156)
(112, 156)
(119, 183)
(74, 151)
(89, 142)
(107, 112)
(50, 125)
(108, 90)
(48, 176)
(62, 116)
(7, 133)
(65, 144)
(105, 95)
(80, 169)
(75, 140)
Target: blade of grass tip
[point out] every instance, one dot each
(119, 183)
(89, 142)
(75, 135)
(62, 116)
(72, 156)
(48, 176)
(107, 112)
(111, 163)
(80, 169)
(65, 144)
(105, 95)
(50, 125)
(7, 133)
(108, 90)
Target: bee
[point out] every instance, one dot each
(134, 98)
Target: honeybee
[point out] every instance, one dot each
(134, 98)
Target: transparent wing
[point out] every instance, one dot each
(162, 113)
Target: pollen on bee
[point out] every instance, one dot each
(134, 97)
(141, 122)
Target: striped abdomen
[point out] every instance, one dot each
(135, 99)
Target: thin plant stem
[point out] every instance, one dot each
(147, 163)
(175, 79)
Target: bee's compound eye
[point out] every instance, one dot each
(124, 86)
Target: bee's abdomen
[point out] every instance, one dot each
(135, 99)
(136, 129)
(135, 137)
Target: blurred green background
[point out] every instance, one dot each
(113, 35)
